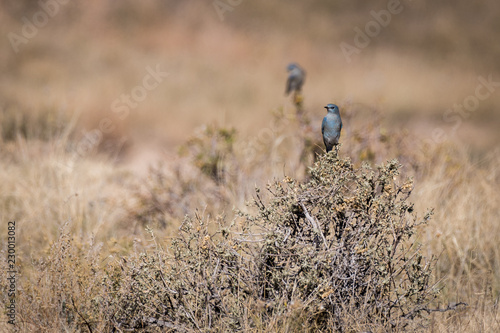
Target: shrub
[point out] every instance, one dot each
(314, 255)
(210, 149)
(342, 245)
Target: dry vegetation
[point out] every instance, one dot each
(212, 206)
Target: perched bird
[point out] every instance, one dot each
(331, 127)
(296, 77)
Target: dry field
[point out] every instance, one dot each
(120, 120)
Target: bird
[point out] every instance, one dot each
(331, 127)
(296, 78)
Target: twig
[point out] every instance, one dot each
(314, 224)
(78, 312)
(451, 306)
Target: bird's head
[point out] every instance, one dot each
(332, 108)
(291, 67)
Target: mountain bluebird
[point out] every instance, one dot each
(331, 127)
(296, 77)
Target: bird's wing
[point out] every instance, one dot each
(288, 85)
(302, 77)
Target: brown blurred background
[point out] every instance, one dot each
(226, 65)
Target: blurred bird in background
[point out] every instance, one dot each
(296, 78)
(331, 127)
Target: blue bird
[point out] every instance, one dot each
(331, 127)
(296, 78)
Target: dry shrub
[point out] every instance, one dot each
(343, 243)
(210, 151)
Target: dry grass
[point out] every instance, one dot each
(82, 218)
